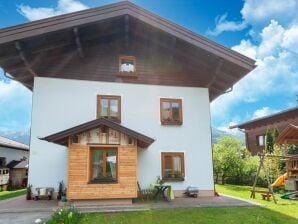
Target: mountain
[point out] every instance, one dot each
(24, 136)
(19, 136)
(217, 134)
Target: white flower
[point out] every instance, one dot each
(38, 220)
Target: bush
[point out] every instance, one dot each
(65, 216)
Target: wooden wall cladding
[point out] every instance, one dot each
(78, 175)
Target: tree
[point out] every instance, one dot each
(227, 157)
(271, 135)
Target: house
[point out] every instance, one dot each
(120, 96)
(15, 156)
(255, 130)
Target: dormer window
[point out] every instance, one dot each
(127, 65)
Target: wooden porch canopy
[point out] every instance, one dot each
(288, 136)
(62, 138)
(71, 46)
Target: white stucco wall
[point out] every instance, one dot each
(59, 104)
(13, 154)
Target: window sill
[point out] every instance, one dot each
(112, 119)
(171, 123)
(128, 74)
(103, 182)
(174, 179)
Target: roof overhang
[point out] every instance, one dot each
(267, 120)
(288, 136)
(24, 48)
(62, 138)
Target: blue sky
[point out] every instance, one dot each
(266, 30)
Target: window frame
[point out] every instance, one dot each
(109, 98)
(131, 58)
(172, 154)
(103, 148)
(172, 122)
(264, 140)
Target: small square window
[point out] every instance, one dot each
(261, 140)
(109, 107)
(127, 64)
(171, 111)
(172, 166)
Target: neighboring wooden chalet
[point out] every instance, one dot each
(127, 93)
(15, 156)
(255, 130)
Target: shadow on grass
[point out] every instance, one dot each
(239, 215)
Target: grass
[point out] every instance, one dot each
(11, 194)
(284, 212)
(283, 206)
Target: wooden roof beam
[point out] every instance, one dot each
(23, 57)
(126, 32)
(78, 42)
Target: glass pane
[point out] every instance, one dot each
(114, 108)
(166, 111)
(168, 170)
(111, 164)
(104, 103)
(177, 166)
(97, 164)
(127, 66)
(261, 140)
(175, 112)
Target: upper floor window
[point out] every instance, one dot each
(171, 111)
(109, 107)
(261, 139)
(172, 165)
(127, 64)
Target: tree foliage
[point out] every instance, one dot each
(230, 158)
(271, 135)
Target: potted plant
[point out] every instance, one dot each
(29, 192)
(60, 190)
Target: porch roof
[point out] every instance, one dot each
(61, 137)
(288, 136)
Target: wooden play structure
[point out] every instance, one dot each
(288, 136)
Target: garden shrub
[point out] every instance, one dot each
(65, 216)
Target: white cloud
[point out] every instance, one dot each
(222, 25)
(63, 6)
(260, 12)
(276, 74)
(257, 14)
(264, 111)
(290, 39)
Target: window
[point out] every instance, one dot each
(109, 107)
(103, 165)
(261, 139)
(172, 166)
(171, 111)
(127, 64)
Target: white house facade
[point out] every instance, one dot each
(54, 110)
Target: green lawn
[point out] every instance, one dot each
(11, 194)
(284, 212)
(286, 207)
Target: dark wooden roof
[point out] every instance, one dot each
(57, 46)
(61, 138)
(288, 136)
(268, 120)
